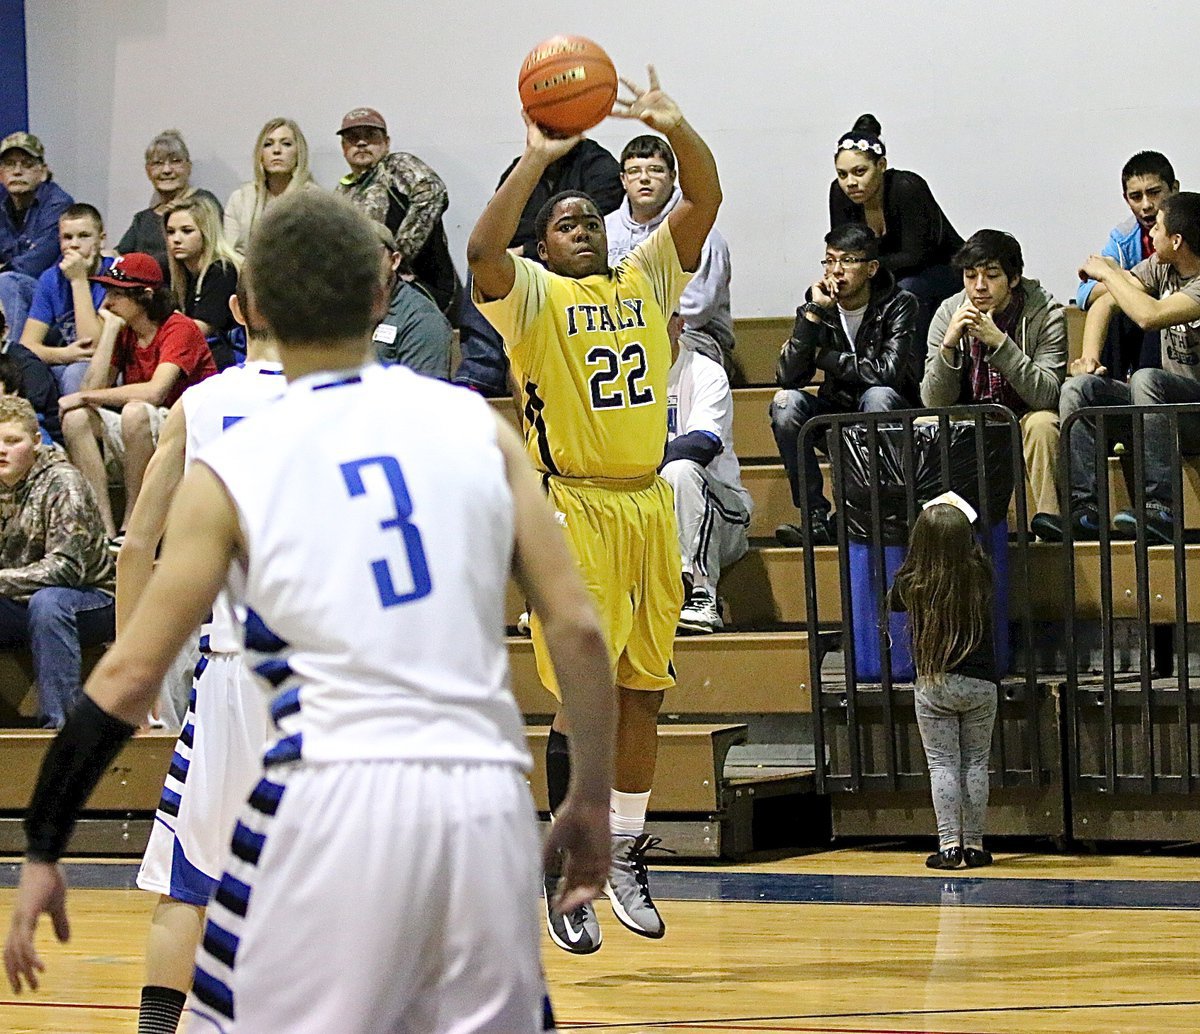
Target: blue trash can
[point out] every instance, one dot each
(869, 585)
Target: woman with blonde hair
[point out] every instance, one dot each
(204, 271)
(169, 169)
(280, 166)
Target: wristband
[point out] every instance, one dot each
(80, 754)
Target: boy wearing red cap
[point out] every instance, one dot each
(157, 353)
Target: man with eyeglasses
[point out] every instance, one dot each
(30, 204)
(858, 329)
(648, 176)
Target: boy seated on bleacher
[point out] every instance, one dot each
(1160, 293)
(1003, 340)
(56, 573)
(1147, 180)
(64, 322)
(859, 329)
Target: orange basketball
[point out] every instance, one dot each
(567, 84)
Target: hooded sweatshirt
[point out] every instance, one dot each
(51, 531)
(1033, 358)
(705, 302)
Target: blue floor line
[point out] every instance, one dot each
(816, 889)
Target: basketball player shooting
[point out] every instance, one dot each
(400, 754)
(590, 354)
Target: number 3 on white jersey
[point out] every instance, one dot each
(410, 535)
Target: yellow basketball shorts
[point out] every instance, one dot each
(628, 552)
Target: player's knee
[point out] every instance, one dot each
(680, 474)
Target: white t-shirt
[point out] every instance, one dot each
(379, 524)
(699, 399)
(851, 321)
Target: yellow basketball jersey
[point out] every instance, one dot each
(591, 358)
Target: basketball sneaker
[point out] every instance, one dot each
(577, 931)
(628, 886)
(700, 614)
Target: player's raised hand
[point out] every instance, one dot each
(43, 888)
(582, 833)
(651, 106)
(542, 144)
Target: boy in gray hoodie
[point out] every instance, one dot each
(1003, 339)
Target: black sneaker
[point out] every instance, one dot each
(1160, 527)
(823, 528)
(577, 931)
(976, 857)
(1047, 526)
(790, 535)
(951, 858)
(1085, 524)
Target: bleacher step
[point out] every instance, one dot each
(722, 674)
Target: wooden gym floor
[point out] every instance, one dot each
(853, 941)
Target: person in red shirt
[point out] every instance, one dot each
(155, 353)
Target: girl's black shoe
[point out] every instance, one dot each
(977, 857)
(951, 858)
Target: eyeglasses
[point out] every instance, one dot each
(162, 163)
(19, 163)
(843, 263)
(650, 170)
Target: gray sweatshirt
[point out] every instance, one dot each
(1034, 363)
(705, 302)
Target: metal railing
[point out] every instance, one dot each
(1133, 733)
(861, 742)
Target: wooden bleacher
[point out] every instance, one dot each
(758, 667)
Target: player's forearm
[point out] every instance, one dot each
(499, 221)
(698, 179)
(585, 679)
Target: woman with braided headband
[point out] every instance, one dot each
(916, 240)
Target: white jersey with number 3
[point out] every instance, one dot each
(379, 544)
(210, 408)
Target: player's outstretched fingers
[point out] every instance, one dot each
(21, 961)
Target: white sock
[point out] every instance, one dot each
(627, 812)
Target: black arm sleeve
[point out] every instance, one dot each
(699, 446)
(78, 757)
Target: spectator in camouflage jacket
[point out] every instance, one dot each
(56, 573)
(407, 196)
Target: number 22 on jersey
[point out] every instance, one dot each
(399, 523)
(611, 390)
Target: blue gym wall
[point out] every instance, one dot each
(14, 95)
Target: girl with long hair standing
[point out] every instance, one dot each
(945, 585)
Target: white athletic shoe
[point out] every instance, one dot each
(700, 614)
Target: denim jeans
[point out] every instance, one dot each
(16, 295)
(931, 286)
(791, 409)
(56, 623)
(1146, 387)
(482, 364)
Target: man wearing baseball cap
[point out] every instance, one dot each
(407, 196)
(30, 204)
